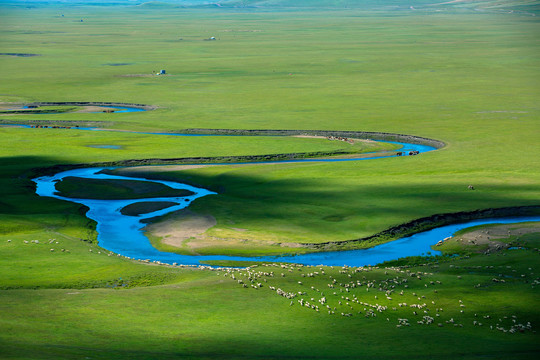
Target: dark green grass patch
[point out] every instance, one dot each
(145, 207)
(113, 189)
(42, 110)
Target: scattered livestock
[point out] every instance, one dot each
(349, 303)
(440, 242)
(339, 138)
(405, 153)
(51, 241)
(52, 127)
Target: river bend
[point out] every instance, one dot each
(122, 234)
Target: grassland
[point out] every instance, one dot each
(469, 79)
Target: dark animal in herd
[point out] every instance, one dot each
(404, 153)
(51, 127)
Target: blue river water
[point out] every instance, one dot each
(123, 109)
(122, 234)
(117, 109)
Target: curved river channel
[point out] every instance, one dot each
(122, 234)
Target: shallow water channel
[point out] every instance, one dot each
(122, 234)
(123, 109)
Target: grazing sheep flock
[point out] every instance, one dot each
(394, 303)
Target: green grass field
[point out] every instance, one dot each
(447, 72)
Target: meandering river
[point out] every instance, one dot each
(122, 234)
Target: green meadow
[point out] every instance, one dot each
(465, 77)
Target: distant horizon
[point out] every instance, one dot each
(520, 6)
